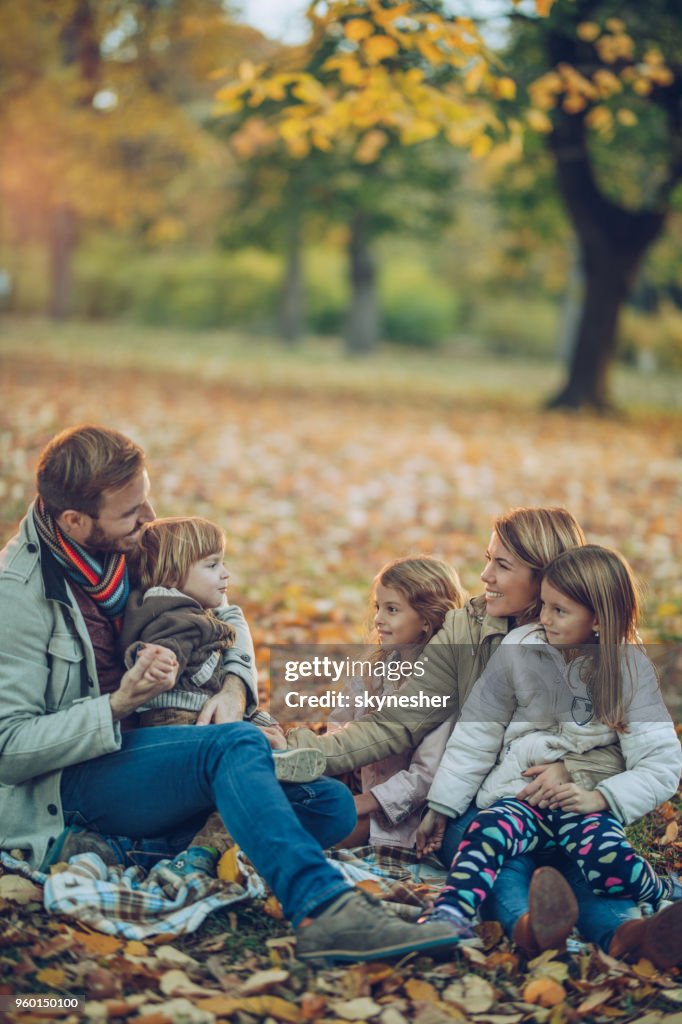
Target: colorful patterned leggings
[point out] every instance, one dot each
(511, 827)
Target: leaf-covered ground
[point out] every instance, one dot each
(320, 474)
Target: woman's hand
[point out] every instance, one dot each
(430, 832)
(154, 672)
(545, 779)
(275, 736)
(570, 797)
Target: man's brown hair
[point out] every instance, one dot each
(78, 465)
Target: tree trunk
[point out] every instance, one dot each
(607, 284)
(613, 241)
(362, 328)
(291, 305)
(80, 46)
(62, 244)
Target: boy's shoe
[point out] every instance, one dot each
(357, 927)
(74, 840)
(459, 924)
(196, 859)
(658, 938)
(552, 913)
(304, 764)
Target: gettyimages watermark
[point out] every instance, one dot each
(337, 683)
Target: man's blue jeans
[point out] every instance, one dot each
(598, 916)
(160, 786)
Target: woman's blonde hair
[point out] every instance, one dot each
(431, 587)
(536, 536)
(168, 548)
(602, 581)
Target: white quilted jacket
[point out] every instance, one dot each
(526, 708)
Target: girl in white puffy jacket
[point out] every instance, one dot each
(580, 681)
(410, 598)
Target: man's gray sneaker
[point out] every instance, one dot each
(357, 927)
(74, 840)
(304, 764)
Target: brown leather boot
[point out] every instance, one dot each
(524, 938)
(552, 913)
(657, 938)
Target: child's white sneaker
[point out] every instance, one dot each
(304, 764)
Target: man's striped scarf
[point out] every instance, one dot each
(105, 580)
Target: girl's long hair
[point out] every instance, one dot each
(602, 581)
(430, 586)
(536, 536)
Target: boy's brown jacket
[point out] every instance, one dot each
(453, 661)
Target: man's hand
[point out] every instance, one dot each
(366, 804)
(545, 780)
(430, 832)
(154, 672)
(570, 797)
(275, 735)
(227, 706)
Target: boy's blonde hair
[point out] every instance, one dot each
(168, 548)
(600, 579)
(536, 536)
(430, 586)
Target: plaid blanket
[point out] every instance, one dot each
(392, 874)
(134, 906)
(130, 904)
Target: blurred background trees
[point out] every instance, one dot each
(406, 175)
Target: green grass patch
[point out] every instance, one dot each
(318, 367)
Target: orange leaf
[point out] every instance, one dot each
(53, 977)
(421, 991)
(312, 1005)
(544, 992)
(671, 833)
(370, 886)
(490, 933)
(543, 7)
(134, 948)
(272, 908)
(228, 866)
(97, 944)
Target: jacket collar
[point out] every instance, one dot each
(54, 580)
(53, 576)
(490, 625)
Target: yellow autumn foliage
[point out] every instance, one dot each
(378, 48)
(357, 29)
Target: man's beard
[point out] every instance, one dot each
(99, 541)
